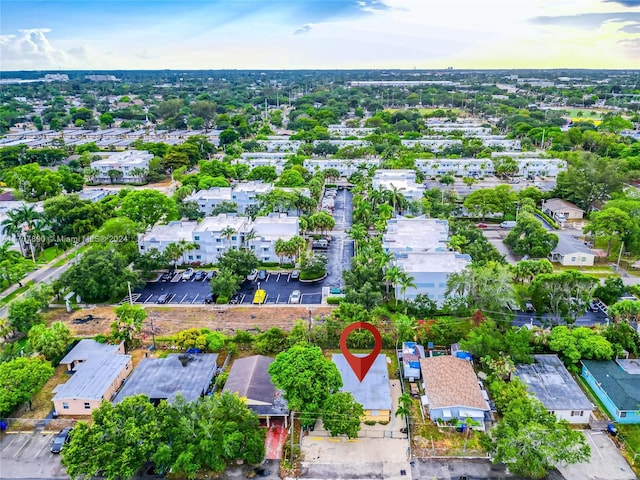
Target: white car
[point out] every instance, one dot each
(187, 274)
(295, 296)
(253, 275)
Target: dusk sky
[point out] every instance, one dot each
(290, 34)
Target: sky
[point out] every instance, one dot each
(318, 34)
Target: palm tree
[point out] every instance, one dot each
(280, 247)
(27, 218)
(404, 405)
(391, 277)
(357, 233)
(227, 233)
(12, 226)
(174, 251)
(42, 232)
(247, 237)
(405, 281)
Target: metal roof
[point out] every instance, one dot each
(373, 392)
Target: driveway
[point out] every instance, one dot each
(606, 462)
(495, 237)
(467, 468)
(588, 319)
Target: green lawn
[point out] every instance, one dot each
(631, 434)
(70, 256)
(16, 293)
(49, 254)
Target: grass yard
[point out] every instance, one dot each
(71, 256)
(16, 293)
(49, 254)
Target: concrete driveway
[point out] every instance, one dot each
(606, 461)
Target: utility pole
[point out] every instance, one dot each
(619, 256)
(130, 297)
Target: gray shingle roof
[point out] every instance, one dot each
(552, 384)
(163, 378)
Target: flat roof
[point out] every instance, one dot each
(552, 384)
(220, 222)
(373, 392)
(172, 232)
(163, 378)
(622, 386)
(415, 234)
(433, 262)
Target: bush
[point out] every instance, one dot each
(369, 422)
(221, 380)
(334, 300)
(384, 422)
(313, 275)
(548, 219)
(221, 300)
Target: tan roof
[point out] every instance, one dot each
(451, 381)
(554, 204)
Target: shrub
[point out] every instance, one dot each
(221, 380)
(547, 218)
(334, 300)
(369, 422)
(221, 300)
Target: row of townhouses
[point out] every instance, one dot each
(419, 246)
(243, 194)
(211, 238)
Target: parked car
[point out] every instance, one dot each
(199, 276)
(163, 298)
(187, 274)
(261, 472)
(167, 276)
(508, 224)
(260, 296)
(295, 296)
(593, 306)
(295, 275)
(60, 440)
(210, 275)
(321, 244)
(262, 275)
(211, 298)
(482, 225)
(253, 275)
(528, 306)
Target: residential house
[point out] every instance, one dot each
(122, 167)
(95, 194)
(189, 375)
(345, 167)
(617, 385)
(552, 384)
(402, 180)
(280, 144)
(249, 378)
(373, 392)
(434, 144)
(571, 251)
(452, 391)
(561, 210)
(98, 370)
(270, 159)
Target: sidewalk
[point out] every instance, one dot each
(42, 274)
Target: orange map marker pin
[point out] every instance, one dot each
(360, 365)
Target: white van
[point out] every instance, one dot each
(508, 224)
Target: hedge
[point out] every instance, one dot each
(334, 300)
(548, 219)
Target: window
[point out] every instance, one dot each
(218, 240)
(374, 413)
(573, 259)
(623, 414)
(576, 413)
(141, 247)
(87, 406)
(429, 285)
(266, 249)
(65, 405)
(234, 238)
(198, 257)
(190, 257)
(196, 237)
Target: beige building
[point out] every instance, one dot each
(561, 210)
(98, 371)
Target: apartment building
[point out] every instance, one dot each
(122, 167)
(402, 180)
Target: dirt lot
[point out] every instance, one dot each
(169, 320)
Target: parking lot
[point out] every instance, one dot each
(178, 291)
(27, 455)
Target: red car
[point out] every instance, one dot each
(482, 225)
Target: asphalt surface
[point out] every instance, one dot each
(588, 319)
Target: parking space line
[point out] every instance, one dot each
(148, 298)
(185, 296)
(19, 451)
(278, 279)
(196, 297)
(42, 447)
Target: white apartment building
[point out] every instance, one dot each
(129, 164)
(343, 131)
(280, 145)
(259, 236)
(420, 249)
(545, 167)
(466, 130)
(268, 159)
(402, 180)
(436, 144)
(243, 195)
(344, 143)
(345, 167)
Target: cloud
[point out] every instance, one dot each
(632, 28)
(585, 20)
(625, 3)
(145, 55)
(30, 47)
(303, 29)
